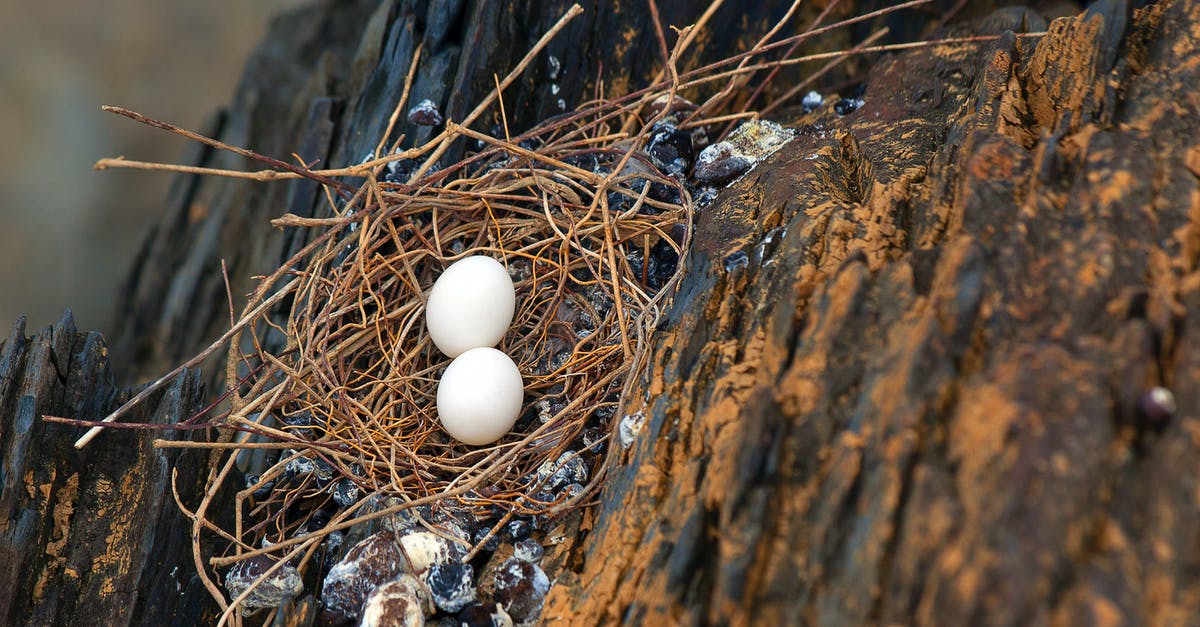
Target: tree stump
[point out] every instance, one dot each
(90, 536)
(906, 378)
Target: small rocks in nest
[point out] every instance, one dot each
(345, 493)
(752, 142)
(568, 468)
(1157, 406)
(301, 423)
(484, 615)
(846, 106)
(401, 602)
(425, 114)
(518, 585)
(529, 550)
(403, 521)
(300, 466)
(423, 549)
(401, 170)
(670, 149)
(811, 101)
(262, 492)
(481, 533)
(593, 439)
(378, 558)
(518, 528)
(451, 585)
(629, 428)
(278, 587)
(569, 491)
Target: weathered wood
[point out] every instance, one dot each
(89, 535)
(927, 414)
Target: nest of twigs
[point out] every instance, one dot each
(592, 226)
(589, 252)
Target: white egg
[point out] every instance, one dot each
(470, 305)
(479, 396)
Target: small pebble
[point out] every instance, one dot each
(752, 142)
(424, 549)
(492, 543)
(454, 521)
(401, 170)
(569, 468)
(317, 520)
(405, 520)
(401, 602)
(262, 492)
(630, 426)
(735, 261)
(323, 472)
(593, 439)
(301, 423)
(704, 196)
(451, 585)
(280, 586)
(528, 549)
(480, 615)
(374, 560)
(543, 411)
(670, 149)
(1158, 406)
(811, 101)
(345, 493)
(846, 106)
(518, 528)
(334, 541)
(519, 586)
(569, 491)
(425, 114)
(300, 467)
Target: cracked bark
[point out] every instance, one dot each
(917, 402)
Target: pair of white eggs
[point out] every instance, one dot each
(469, 310)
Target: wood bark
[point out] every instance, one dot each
(899, 382)
(90, 536)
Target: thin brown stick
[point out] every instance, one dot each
(250, 154)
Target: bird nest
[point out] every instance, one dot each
(590, 235)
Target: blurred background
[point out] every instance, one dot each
(68, 233)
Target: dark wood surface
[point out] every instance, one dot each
(90, 535)
(899, 382)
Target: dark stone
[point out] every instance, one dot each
(345, 493)
(374, 560)
(846, 106)
(670, 149)
(720, 166)
(275, 589)
(425, 113)
(451, 585)
(521, 588)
